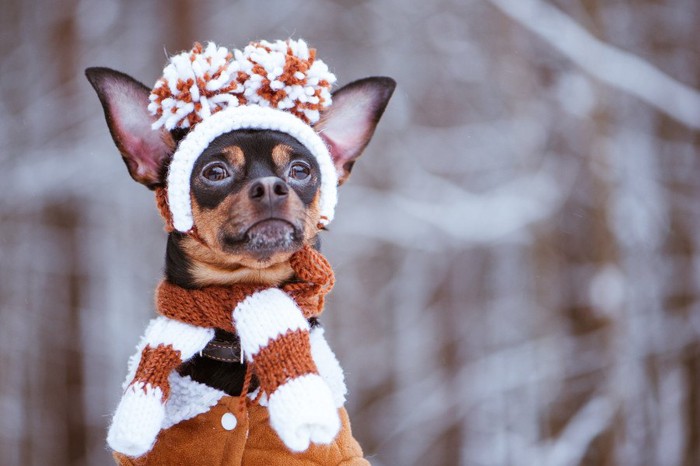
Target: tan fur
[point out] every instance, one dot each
(313, 215)
(212, 266)
(271, 276)
(230, 215)
(235, 155)
(280, 155)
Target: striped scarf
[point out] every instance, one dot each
(286, 354)
(273, 329)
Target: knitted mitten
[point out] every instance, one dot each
(274, 336)
(140, 413)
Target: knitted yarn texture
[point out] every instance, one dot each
(283, 74)
(272, 325)
(211, 306)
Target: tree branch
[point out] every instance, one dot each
(609, 64)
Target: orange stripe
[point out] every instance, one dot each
(284, 358)
(155, 367)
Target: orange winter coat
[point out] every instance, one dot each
(223, 436)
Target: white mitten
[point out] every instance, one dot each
(137, 420)
(302, 411)
(141, 411)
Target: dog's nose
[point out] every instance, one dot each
(269, 189)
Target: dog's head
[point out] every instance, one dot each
(255, 193)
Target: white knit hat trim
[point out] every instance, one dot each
(245, 117)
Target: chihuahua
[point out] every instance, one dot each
(254, 199)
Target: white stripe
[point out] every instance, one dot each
(328, 366)
(264, 316)
(244, 117)
(137, 420)
(185, 338)
(302, 411)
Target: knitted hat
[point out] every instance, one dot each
(210, 90)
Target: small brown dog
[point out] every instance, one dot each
(244, 215)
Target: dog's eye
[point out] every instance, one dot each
(299, 171)
(215, 172)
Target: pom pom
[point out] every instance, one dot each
(291, 78)
(194, 85)
(284, 74)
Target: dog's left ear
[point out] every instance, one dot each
(349, 123)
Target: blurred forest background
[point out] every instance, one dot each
(517, 253)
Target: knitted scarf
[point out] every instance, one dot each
(287, 355)
(212, 306)
(272, 326)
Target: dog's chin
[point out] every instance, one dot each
(264, 240)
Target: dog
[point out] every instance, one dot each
(255, 201)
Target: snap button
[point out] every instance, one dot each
(229, 421)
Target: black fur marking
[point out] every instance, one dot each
(177, 264)
(257, 146)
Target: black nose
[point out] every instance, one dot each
(268, 189)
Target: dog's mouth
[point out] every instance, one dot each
(265, 238)
(270, 234)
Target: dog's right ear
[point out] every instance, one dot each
(125, 103)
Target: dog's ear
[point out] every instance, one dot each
(349, 123)
(125, 103)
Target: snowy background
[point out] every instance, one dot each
(517, 253)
